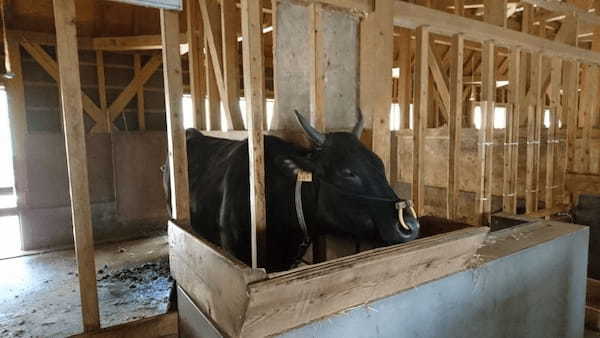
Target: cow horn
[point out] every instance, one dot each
(314, 134)
(360, 123)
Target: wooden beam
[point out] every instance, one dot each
(366, 6)
(212, 24)
(139, 78)
(51, 67)
(161, 326)
(141, 116)
(411, 16)
(568, 9)
(130, 43)
(486, 132)
(172, 73)
(212, 93)
(405, 78)
(15, 91)
(455, 123)
(254, 86)
(511, 136)
(552, 137)
(571, 76)
(317, 68)
(459, 7)
(421, 98)
(440, 81)
(72, 108)
(588, 105)
(494, 12)
(101, 76)
(195, 36)
(377, 55)
(230, 27)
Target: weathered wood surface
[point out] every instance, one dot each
(420, 117)
(216, 281)
(72, 109)
(162, 326)
(300, 296)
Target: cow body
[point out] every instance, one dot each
(349, 194)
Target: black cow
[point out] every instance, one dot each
(349, 194)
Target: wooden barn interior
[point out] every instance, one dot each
(485, 113)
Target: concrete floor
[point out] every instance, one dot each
(39, 294)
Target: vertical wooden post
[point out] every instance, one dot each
(405, 78)
(137, 66)
(531, 190)
(420, 117)
(459, 7)
(571, 76)
(540, 98)
(511, 136)
(72, 108)
(455, 123)
(195, 36)
(15, 91)
(169, 26)
(254, 84)
(101, 75)
(230, 27)
(552, 137)
(212, 89)
(486, 133)
(588, 107)
(317, 60)
(495, 12)
(377, 56)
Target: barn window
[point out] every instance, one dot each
(499, 117)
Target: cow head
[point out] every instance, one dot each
(354, 196)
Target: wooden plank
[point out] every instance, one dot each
(101, 76)
(180, 210)
(376, 60)
(306, 294)
(568, 9)
(137, 66)
(459, 7)
(552, 137)
(212, 31)
(494, 12)
(352, 5)
(214, 280)
(212, 90)
(571, 75)
(511, 136)
(531, 189)
(51, 67)
(161, 326)
(254, 86)
(195, 36)
(455, 123)
(138, 81)
(15, 91)
(72, 108)
(130, 43)
(588, 106)
(411, 16)
(317, 68)
(230, 27)
(486, 132)
(421, 98)
(405, 77)
(439, 80)
(540, 99)
(165, 4)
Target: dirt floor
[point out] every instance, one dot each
(39, 294)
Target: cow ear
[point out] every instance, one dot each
(291, 165)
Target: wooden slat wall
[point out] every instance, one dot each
(420, 117)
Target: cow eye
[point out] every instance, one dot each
(347, 173)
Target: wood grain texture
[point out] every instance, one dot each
(195, 37)
(455, 122)
(72, 108)
(300, 296)
(317, 68)
(552, 137)
(161, 326)
(420, 117)
(254, 87)
(511, 136)
(216, 281)
(177, 155)
(141, 115)
(230, 28)
(486, 131)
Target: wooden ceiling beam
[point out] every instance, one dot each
(411, 16)
(566, 9)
